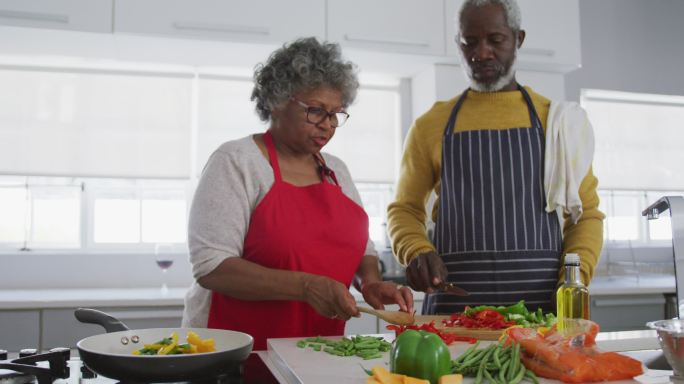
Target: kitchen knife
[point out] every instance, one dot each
(453, 289)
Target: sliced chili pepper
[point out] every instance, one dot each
(448, 338)
(486, 318)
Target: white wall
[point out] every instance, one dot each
(630, 45)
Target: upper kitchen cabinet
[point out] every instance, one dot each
(402, 26)
(261, 21)
(552, 28)
(78, 15)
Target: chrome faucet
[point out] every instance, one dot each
(676, 206)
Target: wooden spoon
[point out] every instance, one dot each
(392, 317)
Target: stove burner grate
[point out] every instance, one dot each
(26, 365)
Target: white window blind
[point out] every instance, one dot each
(369, 143)
(371, 136)
(638, 139)
(225, 113)
(95, 123)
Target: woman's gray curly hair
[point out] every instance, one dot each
(302, 65)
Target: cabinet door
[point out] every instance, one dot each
(19, 330)
(266, 21)
(80, 15)
(552, 30)
(626, 312)
(61, 329)
(405, 26)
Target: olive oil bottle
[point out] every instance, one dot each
(572, 298)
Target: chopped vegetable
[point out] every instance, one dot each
(448, 338)
(365, 347)
(496, 363)
(379, 375)
(170, 346)
(491, 317)
(420, 354)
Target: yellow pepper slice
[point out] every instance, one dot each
(170, 347)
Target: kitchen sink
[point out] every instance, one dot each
(651, 358)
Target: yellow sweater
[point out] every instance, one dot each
(421, 170)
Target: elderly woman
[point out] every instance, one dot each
(277, 232)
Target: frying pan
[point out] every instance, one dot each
(110, 354)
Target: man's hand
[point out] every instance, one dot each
(426, 272)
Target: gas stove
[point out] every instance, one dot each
(57, 366)
(30, 366)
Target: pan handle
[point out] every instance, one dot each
(92, 316)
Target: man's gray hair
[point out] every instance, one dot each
(511, 10)
(304, 64)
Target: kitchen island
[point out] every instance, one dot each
(291, 364)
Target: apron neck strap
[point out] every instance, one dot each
(534, 118)
(325, 172)
(272, 156)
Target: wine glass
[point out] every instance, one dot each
(163, 255)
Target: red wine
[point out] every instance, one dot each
(164, 264)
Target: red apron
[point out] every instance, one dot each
(315, 229)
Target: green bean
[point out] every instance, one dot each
(519, 376)
(515, 362)
(466, 353)
(483, 363)
(474, 358)
(502, 372)
(489, 377)
(497, 360)
(366, 347)
(530, 375)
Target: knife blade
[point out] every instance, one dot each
(453, 289)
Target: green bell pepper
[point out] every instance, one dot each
(420, 354)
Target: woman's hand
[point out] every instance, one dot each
(426, 272)
(378, 293)
(329, 298)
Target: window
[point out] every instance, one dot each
(638, 139)
(40, 212)
(49, 213)
(376, 198)
(119, 131)
(637, 159)
(95, 123)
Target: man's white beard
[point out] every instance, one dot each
(498, 85)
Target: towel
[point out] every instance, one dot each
(567, 158)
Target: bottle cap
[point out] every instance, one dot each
(572, 259)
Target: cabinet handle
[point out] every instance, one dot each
(242, 29)
(628, 302)
(538, 52)
(361, 39)
(35, 16)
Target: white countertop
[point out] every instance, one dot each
(303, 365)
(131, 297)
(102, 297)
(632, 284)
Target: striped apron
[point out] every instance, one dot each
(492, 232)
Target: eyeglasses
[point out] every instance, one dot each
(316, 115)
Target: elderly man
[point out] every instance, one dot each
(502, 160)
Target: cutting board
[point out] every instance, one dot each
(478, 333)
(306, 366)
